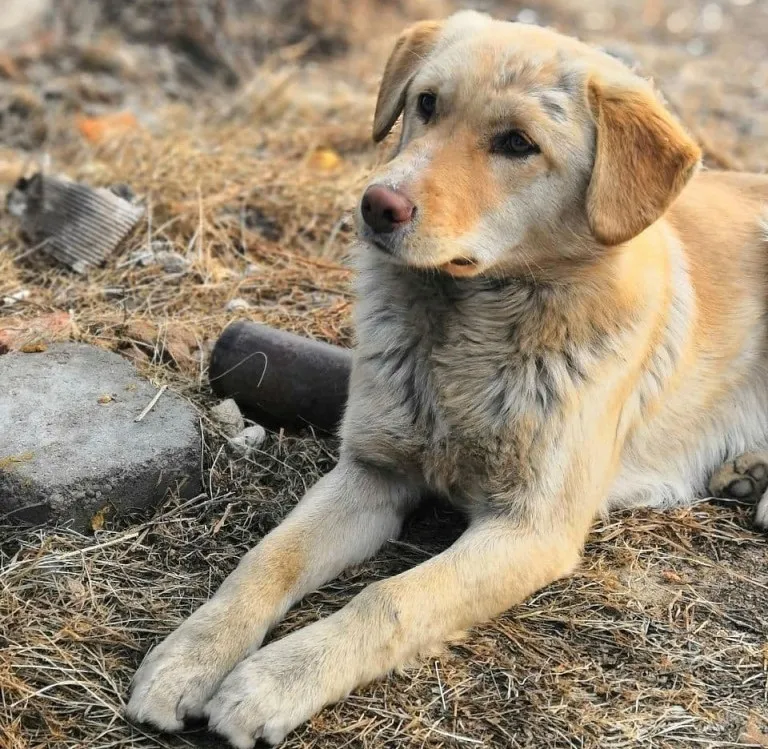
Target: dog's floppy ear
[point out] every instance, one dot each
(411, 48)
(643, 159)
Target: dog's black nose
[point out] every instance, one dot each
(385, 210)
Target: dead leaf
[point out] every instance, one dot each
(753, 733)
(325, 159)
(100, 518)
(9, 69)
(671, 576)
(34, 348)
(180, 343)
(141, 333)
(99, 129)
(12, 461)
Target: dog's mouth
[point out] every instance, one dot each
(460, 266)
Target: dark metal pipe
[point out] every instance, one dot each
(280, 379)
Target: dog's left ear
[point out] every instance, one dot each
(643, 159)
(414, 44)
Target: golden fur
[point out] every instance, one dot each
(548, 336)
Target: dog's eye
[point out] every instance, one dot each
(513, 143)
(427, 104)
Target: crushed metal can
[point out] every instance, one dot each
(78, 225)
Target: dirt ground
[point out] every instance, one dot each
(244, 127)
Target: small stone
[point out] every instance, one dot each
(228, 417)
(15, 298)
(172, 262)
(21, 19)
(249, 440)
(235, 305)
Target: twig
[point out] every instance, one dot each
(151, 404)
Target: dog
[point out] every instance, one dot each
(559, 313)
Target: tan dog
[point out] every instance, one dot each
(556, 316)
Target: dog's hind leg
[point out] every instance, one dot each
(342, 520)
(746, 479)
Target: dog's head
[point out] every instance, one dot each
(519, 148)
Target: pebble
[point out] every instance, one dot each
(228, 417)
(249, 440)
(235, 305)
(15, 298)
(172, 262)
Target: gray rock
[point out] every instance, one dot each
(70, 445)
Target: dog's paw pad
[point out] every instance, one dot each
(741, 488)
(758, 471)
(745, 478)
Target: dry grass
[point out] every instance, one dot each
(660, 640)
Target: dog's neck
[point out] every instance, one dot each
(610, 281)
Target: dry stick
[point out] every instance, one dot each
(151, 404)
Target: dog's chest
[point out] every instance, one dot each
(462, 381)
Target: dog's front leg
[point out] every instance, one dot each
(494, 565)
(343, 519)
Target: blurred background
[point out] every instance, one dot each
(243, 125)
(242, 129)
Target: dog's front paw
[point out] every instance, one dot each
(745, 478)
(267, 695)
(178, 677)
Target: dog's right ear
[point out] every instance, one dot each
(643, 159)
(414, 44)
